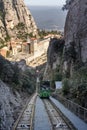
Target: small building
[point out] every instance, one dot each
(58, 84)
(29, 46)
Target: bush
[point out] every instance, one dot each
(20, 26)
(77, 86)
(7, 38)
(58, 77)
(17, 74)
(6, 70)
(66, 87)
(28, 80)
(67, 5)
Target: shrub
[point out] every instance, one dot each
(17, 74)
(28, 80)
(20, 26)
(58, 77)
(66, 87)
(67, 5)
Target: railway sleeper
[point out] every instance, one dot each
(23, 126)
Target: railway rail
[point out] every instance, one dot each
(57, 119)
(25, 119)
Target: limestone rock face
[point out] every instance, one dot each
(8, 102)
(13, 12)
(13, 94)
(55, 50)
(76, 28)
(54, 57)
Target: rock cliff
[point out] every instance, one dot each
(76, 34)
(17, 82)
(14, 16)
(54, 58)
(74, 55)
(10, 103)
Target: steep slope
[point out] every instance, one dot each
(75, 52)
(10, 103)
(76, 33)
(13, 16)
(54, 59)
(17, 82)
(74, 55)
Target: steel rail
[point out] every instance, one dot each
(57, 118)
(27, 112)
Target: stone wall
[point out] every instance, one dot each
(39, 49)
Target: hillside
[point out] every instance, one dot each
(16, 20)
(71, 65)
(17, 83)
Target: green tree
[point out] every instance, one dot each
(17, 74)
(67, 5)
(66, 87)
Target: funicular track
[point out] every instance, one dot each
(57, 119)
(25, 119)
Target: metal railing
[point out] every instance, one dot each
(81, 112)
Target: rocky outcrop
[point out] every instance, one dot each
(76, 33)
(17, 82)
(10, 104)
(55, 52)
(54, 57)
(74, 56)
(14, 15)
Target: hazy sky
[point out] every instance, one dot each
(45, 2)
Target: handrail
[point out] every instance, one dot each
(78, 110)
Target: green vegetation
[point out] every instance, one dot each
(1, 43)
(65, 87)
(21, 32)
(24, 81)
(7, 38)
(75, 88)
(20, 26)
(1, 14)
(55, 52)
(28, 80)
(70, 52)
(67, 5)
(43, 33)
(8, 54)
(15, 77)
(56, 76)
(74, 78)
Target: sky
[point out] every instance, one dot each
(45, 2)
